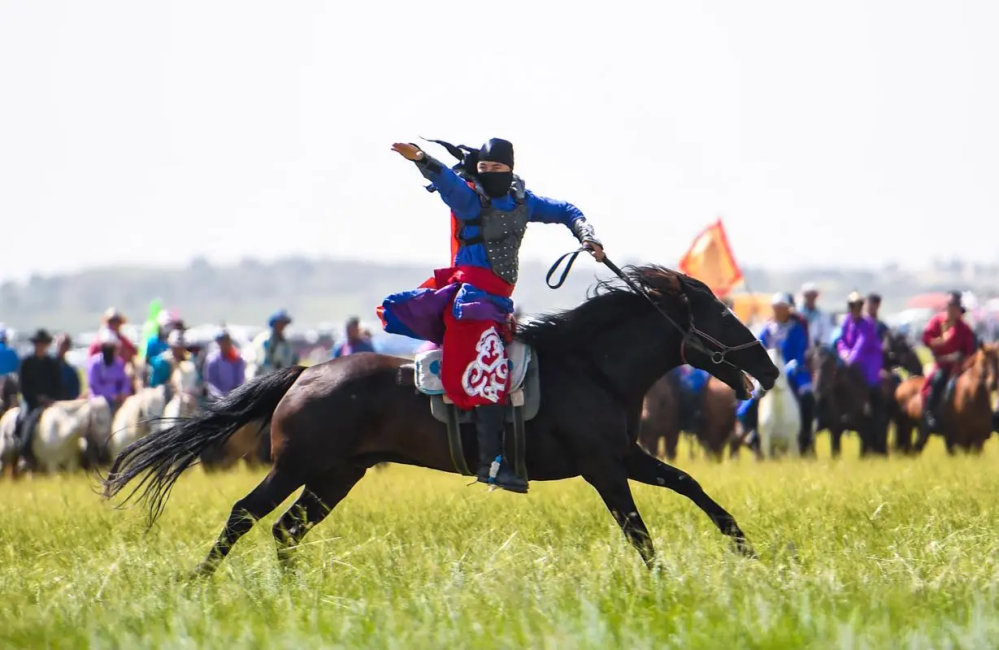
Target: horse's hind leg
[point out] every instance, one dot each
(646, 469)
(275, 488)
(316, 502)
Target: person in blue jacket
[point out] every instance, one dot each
(9, 361)
(789, 336)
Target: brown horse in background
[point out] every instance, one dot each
(661, 418)
(966, 419)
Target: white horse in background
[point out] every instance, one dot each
(8, 441)
(184, 403)
(64, 430)
(779, 417)
(136, 419)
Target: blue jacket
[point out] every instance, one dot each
(466, 204)
(791, 340)
(161, 367)
(9, 361)
(70, 380)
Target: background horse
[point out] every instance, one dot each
(332, 421)
(184, 403)
(8, 393)
(64, 430)
(965, 419)
(243, 445)
(661, 417)
(662, 421)
(9, 456)
(779, 416)
(136, 418)
(898, 355)
(842, 395)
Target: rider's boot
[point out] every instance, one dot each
(25, 428)
(929, 422)
(493, 468)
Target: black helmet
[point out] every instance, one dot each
(498, 151)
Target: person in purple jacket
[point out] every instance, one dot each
(106, 375)
(225, 369)
(860, 347)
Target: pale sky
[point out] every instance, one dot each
(823, 133)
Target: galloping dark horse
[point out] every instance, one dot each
(842, 394)
(333, 421)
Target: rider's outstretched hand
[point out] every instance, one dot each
(596, 250)
(408, 151)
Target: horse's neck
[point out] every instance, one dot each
(635, 355)
(975, 372)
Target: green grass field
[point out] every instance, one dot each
(894, 553)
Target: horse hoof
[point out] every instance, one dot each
(745, 549)
(203, 570)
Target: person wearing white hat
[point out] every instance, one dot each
(820, 324)
(786, 332)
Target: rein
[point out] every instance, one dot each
(692, 336)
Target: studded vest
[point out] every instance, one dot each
(501, 232)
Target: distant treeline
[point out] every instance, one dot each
(322, 290)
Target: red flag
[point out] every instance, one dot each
(710, 260)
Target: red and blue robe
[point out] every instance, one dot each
(467, 309)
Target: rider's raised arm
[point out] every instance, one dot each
(454, 191)
(545, 210)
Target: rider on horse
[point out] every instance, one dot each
(467, 308)
(787, 333)
(873, 309)
(41, 385)
(860, 346)
(951, 341)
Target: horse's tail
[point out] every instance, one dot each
(169, 453)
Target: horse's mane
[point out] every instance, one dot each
(608, 303)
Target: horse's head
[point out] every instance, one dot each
(714, 339)
(899, 354)
(677, 318)
(987, 363)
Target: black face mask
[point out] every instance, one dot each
(496, 184)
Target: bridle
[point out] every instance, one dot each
(693, 337)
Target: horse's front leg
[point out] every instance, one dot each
(646, 469)
(611, 481)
